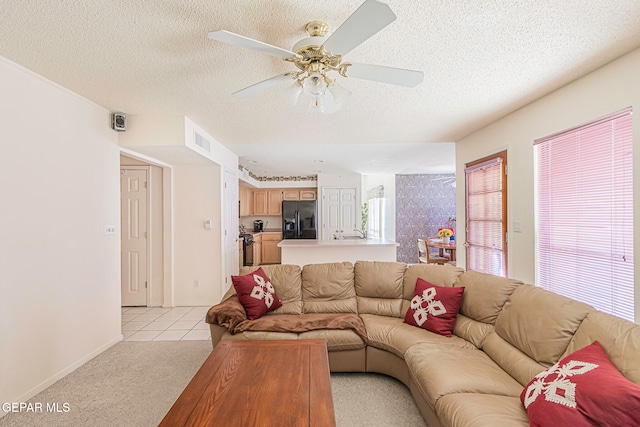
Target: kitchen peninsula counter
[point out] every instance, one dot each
(302, 252)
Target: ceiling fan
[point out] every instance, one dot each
(317, 55)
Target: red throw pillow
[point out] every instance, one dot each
(256, 293)
(434, 308)
(583, 389)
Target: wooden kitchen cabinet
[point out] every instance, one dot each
(299, 194)
(260, 202)
(275, 202)
(269, 202)
(308, 195)
(246, 201)
(270, 249)
(290, 194)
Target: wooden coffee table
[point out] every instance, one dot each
(258, 383)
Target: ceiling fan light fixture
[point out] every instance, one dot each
(293, 92)
(317, 105)
(339, 92)
(315, 84)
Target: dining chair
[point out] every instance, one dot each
(422, 252)
(435, 257)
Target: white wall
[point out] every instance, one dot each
(197, 251)
(610, 88)
(59, 275)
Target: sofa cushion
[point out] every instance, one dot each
(441, 275)
(434, 308)
(583, 389)
(256, 293)
(260, 335)
(540, 323)
(513, 361)
(484, 295)
(287, 281)
(328, 288)
(619, 338)
(439, 370)
(379, 287)
(472, 330)
(337, 339)
(481, 410)
(393, 335)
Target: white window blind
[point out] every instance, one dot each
(584, 214)
(485, 222)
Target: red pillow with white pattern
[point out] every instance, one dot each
(434, 308)
(256, 293)
(583, 389)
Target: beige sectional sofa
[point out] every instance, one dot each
(505, 334)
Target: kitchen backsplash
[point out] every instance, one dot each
(423, 205)
(270, 222)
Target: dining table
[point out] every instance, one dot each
(442, 247)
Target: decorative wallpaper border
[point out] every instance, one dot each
(278, 178)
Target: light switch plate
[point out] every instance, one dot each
(517, 226)
(109, 230)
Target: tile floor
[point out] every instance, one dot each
(164, 324)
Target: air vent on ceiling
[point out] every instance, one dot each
(202, 141)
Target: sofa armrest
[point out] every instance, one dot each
(216, 334)
(227, 314)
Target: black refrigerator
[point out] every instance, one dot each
(299, 219)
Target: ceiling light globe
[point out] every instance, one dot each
(315, 84)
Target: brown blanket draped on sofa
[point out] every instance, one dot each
(232, 316)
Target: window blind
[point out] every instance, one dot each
(584, 214)
(485, 223)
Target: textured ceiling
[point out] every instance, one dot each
(482, 59)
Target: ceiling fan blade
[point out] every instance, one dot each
(247, 43)
(379, 73)
(261, 86)
(367, 20)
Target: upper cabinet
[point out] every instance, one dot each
(296, 194)
(246, 201)
(308, 194)
(291, 194)
(275, 202)
(261, 202)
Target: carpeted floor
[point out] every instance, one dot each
(135, 384)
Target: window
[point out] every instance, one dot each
(486, 215)
(584, 213)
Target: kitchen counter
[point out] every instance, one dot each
(267, 231)
(302, 252)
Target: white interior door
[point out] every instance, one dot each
(348, 210)
(230, 227)
(330, 212)
(338, 211)
(133, 212)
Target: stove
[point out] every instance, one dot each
(247, 248)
